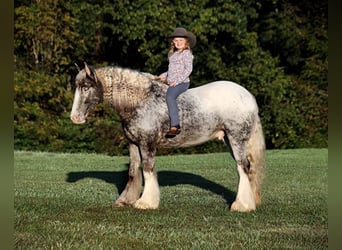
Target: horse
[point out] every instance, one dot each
(220, 110)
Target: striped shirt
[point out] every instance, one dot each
(180, 67)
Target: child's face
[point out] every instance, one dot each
(179, 42)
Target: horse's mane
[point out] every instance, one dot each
(125, 88)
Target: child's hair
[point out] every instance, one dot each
(173, 48)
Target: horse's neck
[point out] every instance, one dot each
(106, 78)
(124, 89)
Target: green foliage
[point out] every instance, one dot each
(276, 49)
(38, 101)
(45, 36)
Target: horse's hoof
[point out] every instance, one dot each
(121, 203)
(237, 206)
(143, 206)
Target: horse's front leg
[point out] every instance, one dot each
(151, 196)
(132, 190)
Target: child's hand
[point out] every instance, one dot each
(172, 84)
(162, 78)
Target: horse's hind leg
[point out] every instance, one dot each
(244, 201)
(132, 190)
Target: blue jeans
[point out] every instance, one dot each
(171, 95)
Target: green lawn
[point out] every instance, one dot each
(64, 201)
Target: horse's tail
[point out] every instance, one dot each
(256, 156)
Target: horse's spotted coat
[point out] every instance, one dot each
(221, 109)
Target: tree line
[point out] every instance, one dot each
(277, 49)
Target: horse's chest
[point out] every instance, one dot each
(145, 125)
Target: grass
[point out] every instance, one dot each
(64, 201)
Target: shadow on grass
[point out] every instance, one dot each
(165, 178)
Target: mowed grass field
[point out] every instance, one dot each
(64, 201)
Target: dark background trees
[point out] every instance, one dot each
(275, 48)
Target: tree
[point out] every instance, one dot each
(277, 49)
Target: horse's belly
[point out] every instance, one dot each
(190, 139)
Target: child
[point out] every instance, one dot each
(177, 77)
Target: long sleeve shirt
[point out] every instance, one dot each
(180, 67)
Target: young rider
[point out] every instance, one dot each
(177, 77)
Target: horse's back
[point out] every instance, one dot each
(225, 95)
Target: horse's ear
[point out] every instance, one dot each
(78, 68)
(90, 73)
(88, 70)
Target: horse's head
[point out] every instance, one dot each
(88, 94)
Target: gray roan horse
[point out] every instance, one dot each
(221, 109)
